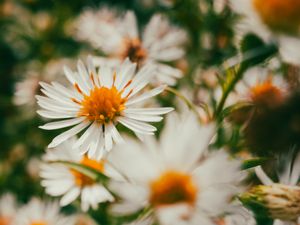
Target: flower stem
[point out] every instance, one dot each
(188, 103)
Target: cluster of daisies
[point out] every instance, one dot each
(110, 152)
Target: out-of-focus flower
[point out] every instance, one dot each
(236, 214)
(60, 180)
(83, 219)
(176, 177)
(99, 101)
(26, 89)
(8, 209)
(262, 88)
(273, 20)
(37, 212)
(119, 38)
(279, 200)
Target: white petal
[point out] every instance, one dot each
(263, 176)
(67, 134)
(145, 95)
(137, 126)
(70, 196)
(149, 111)
(62, 123)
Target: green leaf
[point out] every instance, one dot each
(87, 171)
(250, 163)
(255, 50)
(230, 109)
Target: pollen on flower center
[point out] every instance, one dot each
(5, 220)
(266, 94)
(171, 188)
(102, 105)
(38, 223)
(82, 180)
(279, 15)
(134, 50)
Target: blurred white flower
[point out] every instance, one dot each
(8, 209)
(273, 20)
(26, 89)
(60, 180)
(118, 37)
(236, 214)
(261, 86)
(280, 205)
(99, 101)
(37, 212)
(176, 177)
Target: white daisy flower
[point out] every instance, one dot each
(160, 43)
(97, 102)
(176, 177)
(280, 205)
(261, 87)
(37, 212)
(60, 180)
(273, 20)
(237, 214)
(8, 208)
(258, 86)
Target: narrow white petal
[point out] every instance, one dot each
(149, 111)
(263, 176)
(116, 135)
(137, 126)
(67, 134)
(145, 95)
(56, 115)
(145, 118)
(62, 123)
(70, 196)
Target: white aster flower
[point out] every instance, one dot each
(60, 180)
(160, 43)
(97, 102)
(176, 177)
(237, 214)
(288, 181)
(261, 87)
(273, 20)
(8, 209)
(37, 212)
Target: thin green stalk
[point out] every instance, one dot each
(187, 102)
(228, 89)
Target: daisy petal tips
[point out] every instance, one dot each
(96, 102)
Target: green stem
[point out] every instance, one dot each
(228, 89)
(188, 102)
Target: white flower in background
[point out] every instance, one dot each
(176, 177)
(273, 20)
(8, 209)
(283, 197)
(60, 180)
(262, 87)
(26, 89)
(236, 214)
(258, 86)
(160, 43)
(99, 101)
(37, 212)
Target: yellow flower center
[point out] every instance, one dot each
(82, 180)
(134, 50)
(102, 105)
(38, 223)
(266, 94)
(4, 220)
(173, 187)
(279, 15)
